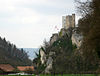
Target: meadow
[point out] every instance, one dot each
(58, 75)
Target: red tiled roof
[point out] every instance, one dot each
(23, 68)
(6, 67)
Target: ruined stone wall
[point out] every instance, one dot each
(68, 21)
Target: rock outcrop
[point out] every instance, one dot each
(49, 62)
(60, 43)
(76, 38)
(43, 56)
(53, 38)
(49, 65)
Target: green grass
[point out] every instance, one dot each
(73, 75)
(57, 75)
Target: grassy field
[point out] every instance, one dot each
(57, 75)
(73, 75)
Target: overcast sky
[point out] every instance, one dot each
(26, 23)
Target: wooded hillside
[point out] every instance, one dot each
(10, 54)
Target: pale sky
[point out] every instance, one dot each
(26, 23)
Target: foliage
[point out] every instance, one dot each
(89, 25)
(74, 46)
(63, 49)
(29, 71)
(60, 33)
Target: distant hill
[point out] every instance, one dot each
(10, 54)
(31, 52)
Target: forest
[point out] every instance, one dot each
(10, 54)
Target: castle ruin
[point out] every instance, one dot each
(68, 21)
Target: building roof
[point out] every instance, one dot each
(23, 68)
(6, 67)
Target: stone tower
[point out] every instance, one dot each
(68, 21)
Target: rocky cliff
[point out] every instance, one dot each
(64, 53)
(58, 53)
